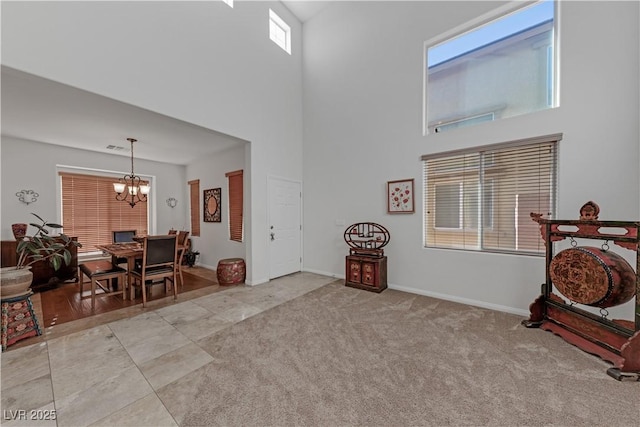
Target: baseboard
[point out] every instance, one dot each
(256, 282)
(324, 273)
(208, 267)
(467, 301)
(445, 297)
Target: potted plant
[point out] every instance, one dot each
(190, 257)
(41, 246)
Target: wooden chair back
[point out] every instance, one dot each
(159, 261)
(123, 236)
(182, 237)
(159, 251)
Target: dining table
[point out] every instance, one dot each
(128, 250)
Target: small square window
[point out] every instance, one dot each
(229, 2)
(279, 32)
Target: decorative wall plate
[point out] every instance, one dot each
(212, 205)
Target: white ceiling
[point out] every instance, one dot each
(37, 109)
(42, 110)
(305, 9)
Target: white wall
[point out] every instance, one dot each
(213, 242)
(362, 70)
(208, 64)
(30, 165)
(201, 62)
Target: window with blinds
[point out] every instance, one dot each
(235, 180)
(91, 212)
(482, 199)
(194, 200)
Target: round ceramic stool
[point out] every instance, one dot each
(231, 271)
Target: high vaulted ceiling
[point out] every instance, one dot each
(37, 109)
(305, 9)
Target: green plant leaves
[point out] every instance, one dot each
(42, 246)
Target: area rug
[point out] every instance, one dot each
(340, 356)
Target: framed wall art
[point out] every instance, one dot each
(400, 196)
(212, 205)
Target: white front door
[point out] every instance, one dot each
(285, 234)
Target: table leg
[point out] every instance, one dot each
(131, 261)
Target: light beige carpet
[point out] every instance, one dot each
(341, 357)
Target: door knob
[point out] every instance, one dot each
(273, 236)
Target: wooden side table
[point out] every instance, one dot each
(19, 320)
(366, 272)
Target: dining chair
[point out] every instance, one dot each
(104, 275)
(159, 258)
(122, 236)
(182, 248)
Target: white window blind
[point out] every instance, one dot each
(91, 212)
(482, 199)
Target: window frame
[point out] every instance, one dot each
(194, 206)
(462, 175)
(275, 21)
(107, 177)
(461, 194)
(513, 7)
(235, 185)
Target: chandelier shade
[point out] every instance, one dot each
(136, 188)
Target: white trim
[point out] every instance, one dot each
(256, 282)
(425, 105)
(461, 300)
(437, 295)
(556, 53)
(324, 273)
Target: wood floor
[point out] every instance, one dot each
(64, 303)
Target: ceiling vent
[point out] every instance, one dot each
(116, 148)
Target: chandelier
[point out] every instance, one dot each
(136, 192)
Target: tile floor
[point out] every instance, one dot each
(109, 374)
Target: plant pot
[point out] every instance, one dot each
(19, 230)
(190, 258)
(15, 282)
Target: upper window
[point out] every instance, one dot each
(229, 2)
(481, 199)
(279, 32)
(501, 69)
